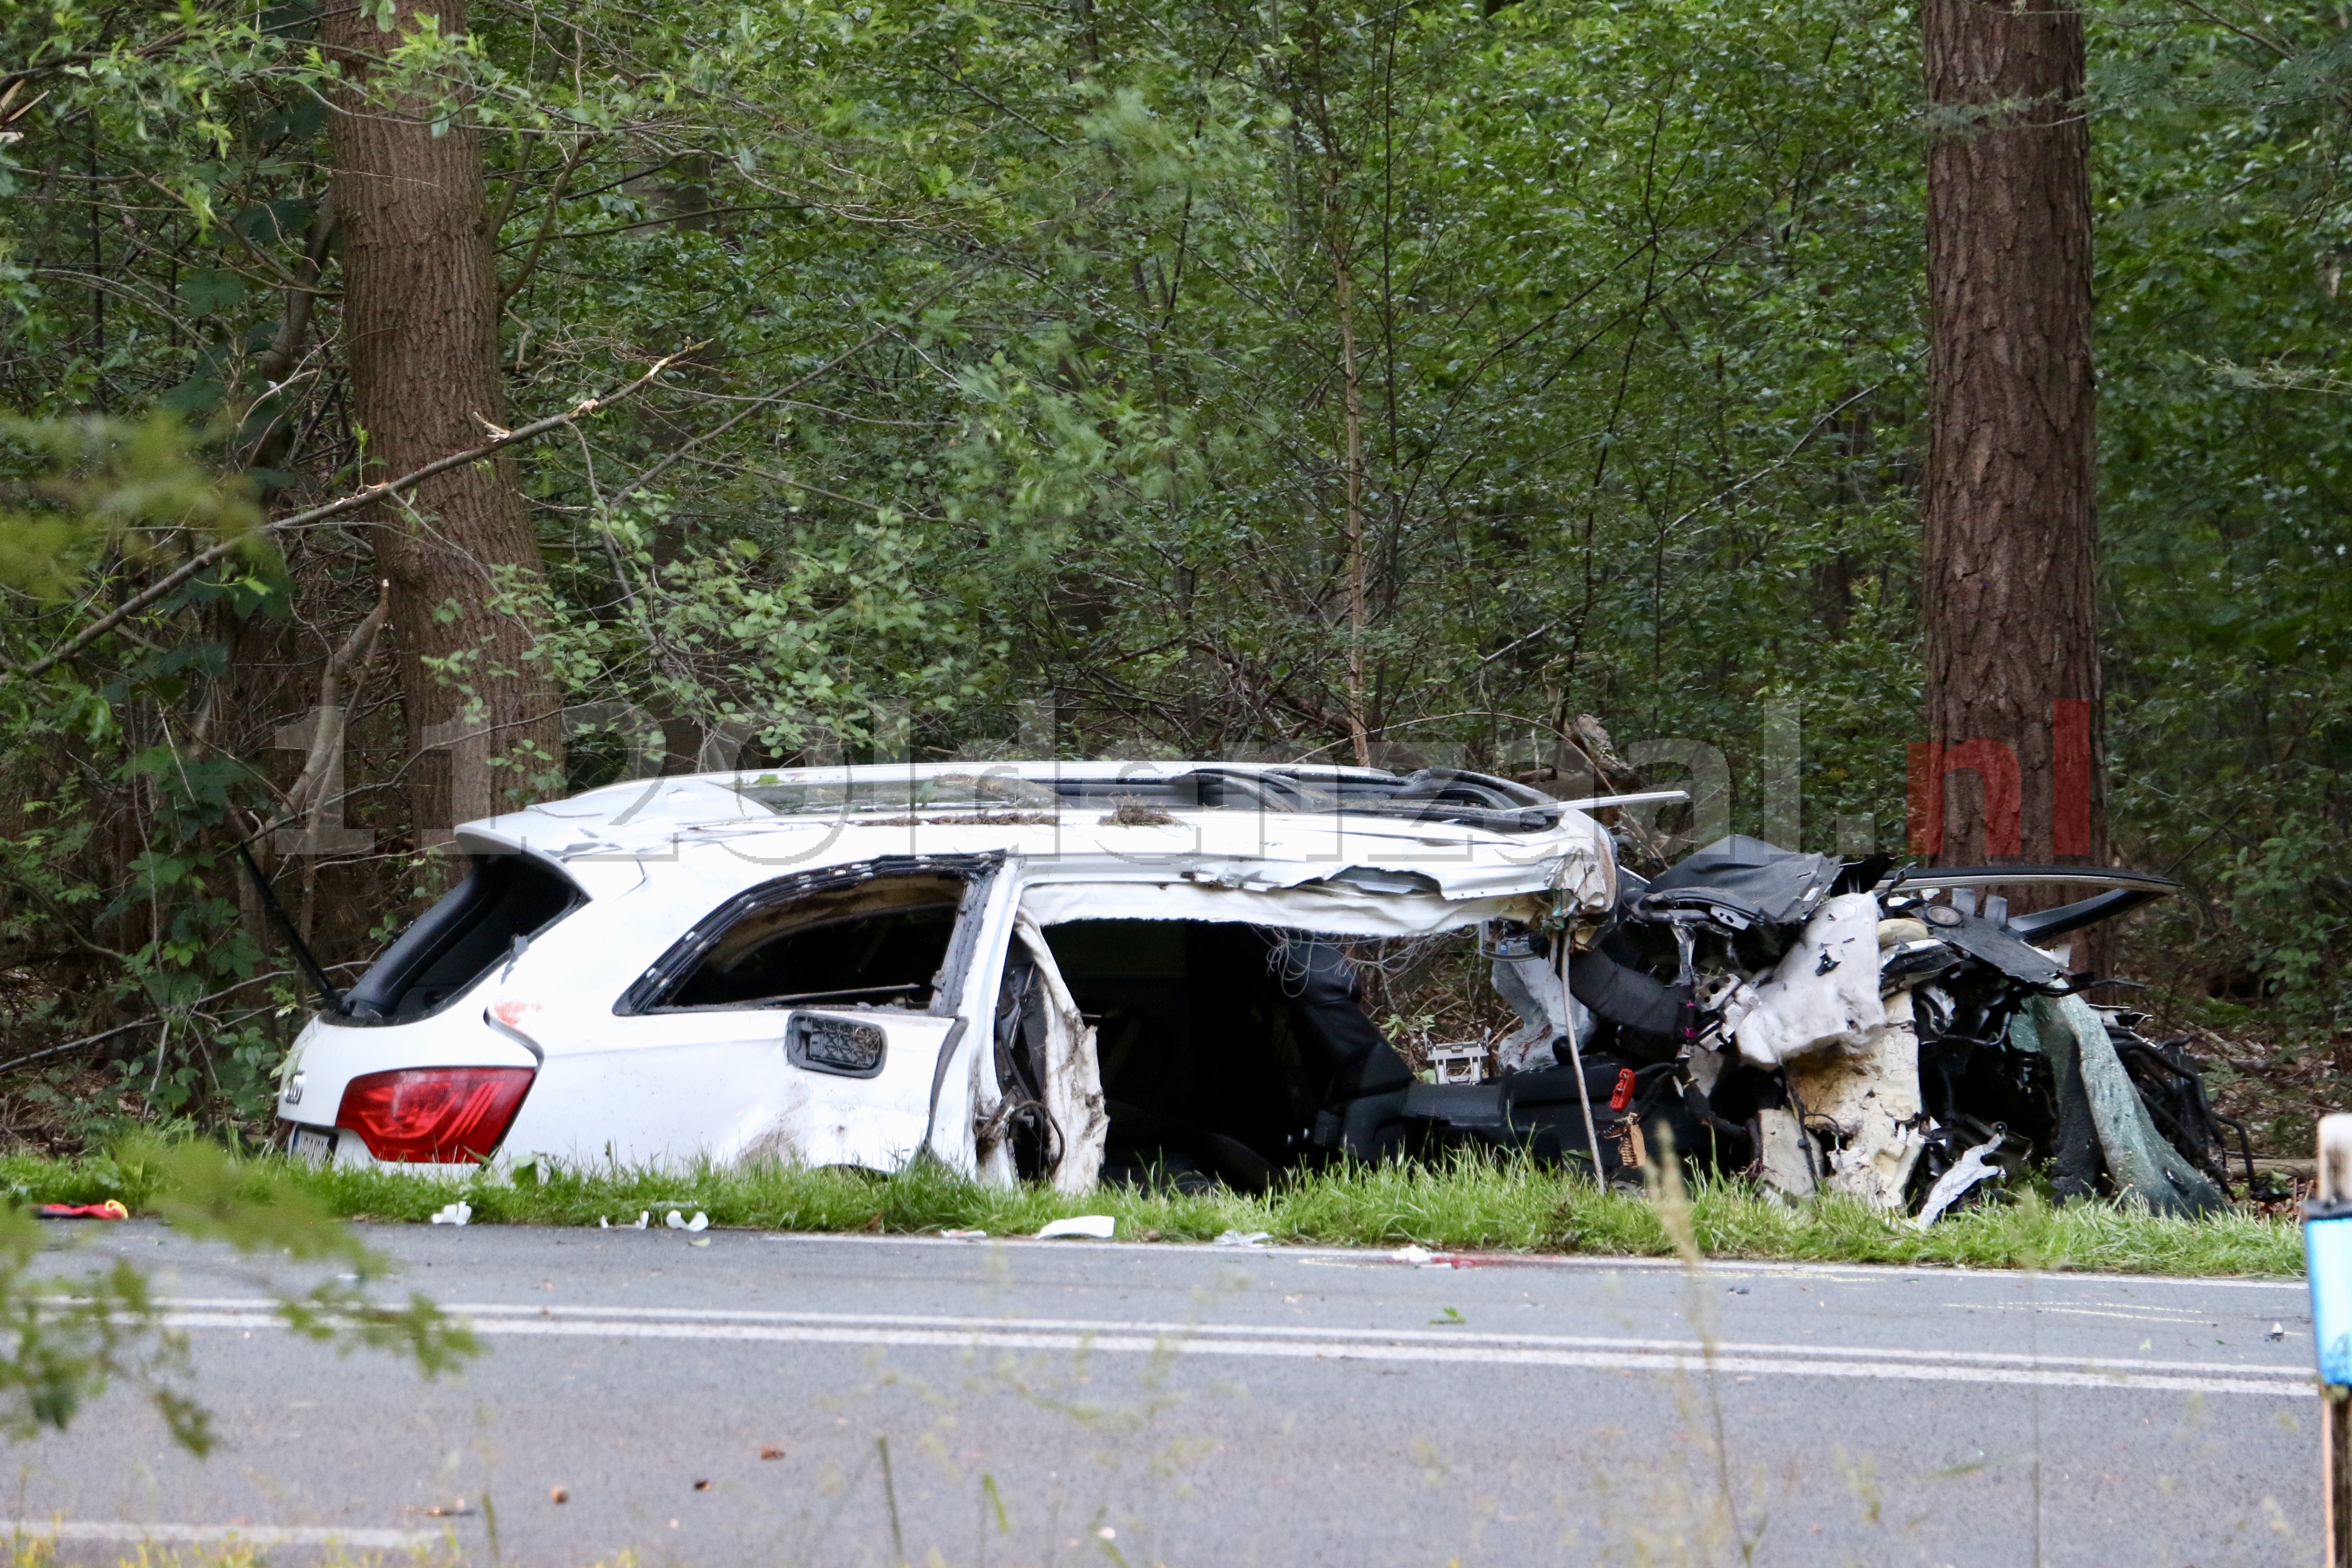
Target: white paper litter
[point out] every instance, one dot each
(643, 1215)
(457, 1213)
(1097, 1226)
(965, 1235)
(1419, 1255)
(677, 1221)
(1242, 1238)
(1970, 1168)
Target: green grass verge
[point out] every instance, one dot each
(1469, 1203)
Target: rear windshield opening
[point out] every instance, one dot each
(880, 943)
(503, 899)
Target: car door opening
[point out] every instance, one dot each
(1228, 1052)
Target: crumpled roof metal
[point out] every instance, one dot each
(1440, 874)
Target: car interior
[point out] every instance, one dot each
(879, 942)
(1227, 1051)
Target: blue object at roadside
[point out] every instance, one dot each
(2328, 1263)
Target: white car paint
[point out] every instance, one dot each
(655, 857)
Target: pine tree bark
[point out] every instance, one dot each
(2011, 591)
(420, 327)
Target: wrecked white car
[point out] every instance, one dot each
(1149, 972)
(1037, 970)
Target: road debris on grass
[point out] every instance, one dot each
(1096, 1226)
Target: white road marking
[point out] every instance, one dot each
(1726, 1267)
(1407, 1345)
(129, 1532)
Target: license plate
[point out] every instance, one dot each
(309, 1144)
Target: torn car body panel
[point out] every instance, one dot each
(1881, 1031)
(1821, 996)
(1868, 1102)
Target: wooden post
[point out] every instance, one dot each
(2336, 1472)
(2335, 1402)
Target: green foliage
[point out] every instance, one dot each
(1088, 395)
(1021, 418)
(103, 485)
(2224, 502)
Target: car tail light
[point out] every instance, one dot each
(434, 1115)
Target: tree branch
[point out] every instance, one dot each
(334, 714)
(352, 502)
(547, 219)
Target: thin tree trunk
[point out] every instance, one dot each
(420, 323)
(1352, 412)
(281, 414)
(2011, 600)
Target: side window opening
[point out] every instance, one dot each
(504, 898)
(881, 943)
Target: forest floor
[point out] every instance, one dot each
(2279, 1091)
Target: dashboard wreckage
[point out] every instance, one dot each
(1150, 972)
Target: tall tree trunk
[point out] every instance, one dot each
(2011, 603)
(420, 324)
(1359, 570)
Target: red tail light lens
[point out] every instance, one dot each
(434, 1115)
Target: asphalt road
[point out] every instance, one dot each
(1076, 1402)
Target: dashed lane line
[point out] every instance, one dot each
(1113, 1337)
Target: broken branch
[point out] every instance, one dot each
(334, 717)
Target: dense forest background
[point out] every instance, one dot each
(1425, 383)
